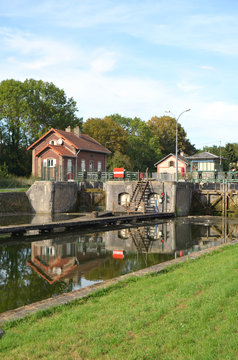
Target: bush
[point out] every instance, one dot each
(4, 171)
(12, 181)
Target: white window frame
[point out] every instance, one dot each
(99, 166)
(49, 162)
(83, 165)
(69, 166)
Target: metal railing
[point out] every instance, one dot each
(105, 176)
(56, 174)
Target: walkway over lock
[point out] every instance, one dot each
(79, 223)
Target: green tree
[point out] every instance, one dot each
(164, 130)
(111, 135)
(230, 153)
(214, 149)
(142, 149)
(47, 106)
(119, 160)
(27, 110)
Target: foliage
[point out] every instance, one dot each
(142, 149)
(47, 106)
(107, 132)
(164, 128)
(129, 140)
(27, 110)
(4, 171)
(12, 181)
(119, 160)
(111, 135)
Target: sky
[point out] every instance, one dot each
(136, 58)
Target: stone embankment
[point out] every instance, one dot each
(15, 202)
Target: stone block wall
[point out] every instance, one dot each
(178, 196)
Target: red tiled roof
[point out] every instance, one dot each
(84, 142)
(57, 148)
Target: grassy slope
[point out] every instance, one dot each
(189, 312)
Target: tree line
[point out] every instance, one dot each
(28, 109)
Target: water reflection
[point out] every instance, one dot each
(55, 260)
(69, 261)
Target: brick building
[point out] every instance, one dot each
(60, 155)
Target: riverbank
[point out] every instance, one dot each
(188, 311)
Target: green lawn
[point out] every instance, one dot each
(188, 312)
(13, 190)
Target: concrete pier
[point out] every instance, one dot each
(79, 223)
(177, 196)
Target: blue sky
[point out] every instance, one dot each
(132, 57)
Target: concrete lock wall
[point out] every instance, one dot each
(184, 192)
(52, 197)
(178, 196)
(15, 202)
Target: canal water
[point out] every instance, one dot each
(64, 262)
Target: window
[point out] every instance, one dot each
(91, 165)
(69, 166)
(68, 249)
(83, 168)
(195, 166)
(53, 142)
(69, 169)
(171, 163)
(99, 166)
(49, 162)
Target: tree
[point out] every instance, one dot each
(164, 128)
(108, 133)
(27, 110)
(142, 149)
(230, 152)
(119, 160)
(47, 106)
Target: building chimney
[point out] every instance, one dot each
(77, 131)
(68, 129)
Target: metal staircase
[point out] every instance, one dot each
(140, 198)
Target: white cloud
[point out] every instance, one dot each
(188, 87)
(35, 52)
(207, 67)
(103, 61)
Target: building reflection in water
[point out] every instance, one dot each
(69, 257)
(56, 260)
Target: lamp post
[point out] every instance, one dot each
(176, 145)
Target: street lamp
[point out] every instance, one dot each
(176, 145)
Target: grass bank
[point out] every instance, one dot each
(14, 182)
(187, 312)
